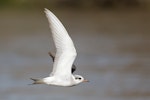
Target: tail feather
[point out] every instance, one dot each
(37, 81)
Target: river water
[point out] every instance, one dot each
(113, 54)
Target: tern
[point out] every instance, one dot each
(63, 67)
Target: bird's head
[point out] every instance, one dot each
(79, 79)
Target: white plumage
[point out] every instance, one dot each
(65, 55)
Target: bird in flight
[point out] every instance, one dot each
(63, 67)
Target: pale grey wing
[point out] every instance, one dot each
(73, 69)
(65, 50)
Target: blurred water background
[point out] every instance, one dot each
(112, 38)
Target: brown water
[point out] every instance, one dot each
(113, 53)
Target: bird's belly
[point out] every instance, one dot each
(62, 83)
(58, 81)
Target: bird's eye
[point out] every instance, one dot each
(78, 78)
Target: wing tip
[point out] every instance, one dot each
(48, 13)
(46, 10)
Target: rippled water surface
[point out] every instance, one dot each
(113, 53)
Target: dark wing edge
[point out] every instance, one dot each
(73, 68)
(51, 55)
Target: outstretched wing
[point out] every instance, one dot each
(65, 50)
(73, 69)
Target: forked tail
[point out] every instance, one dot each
(37, 81)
